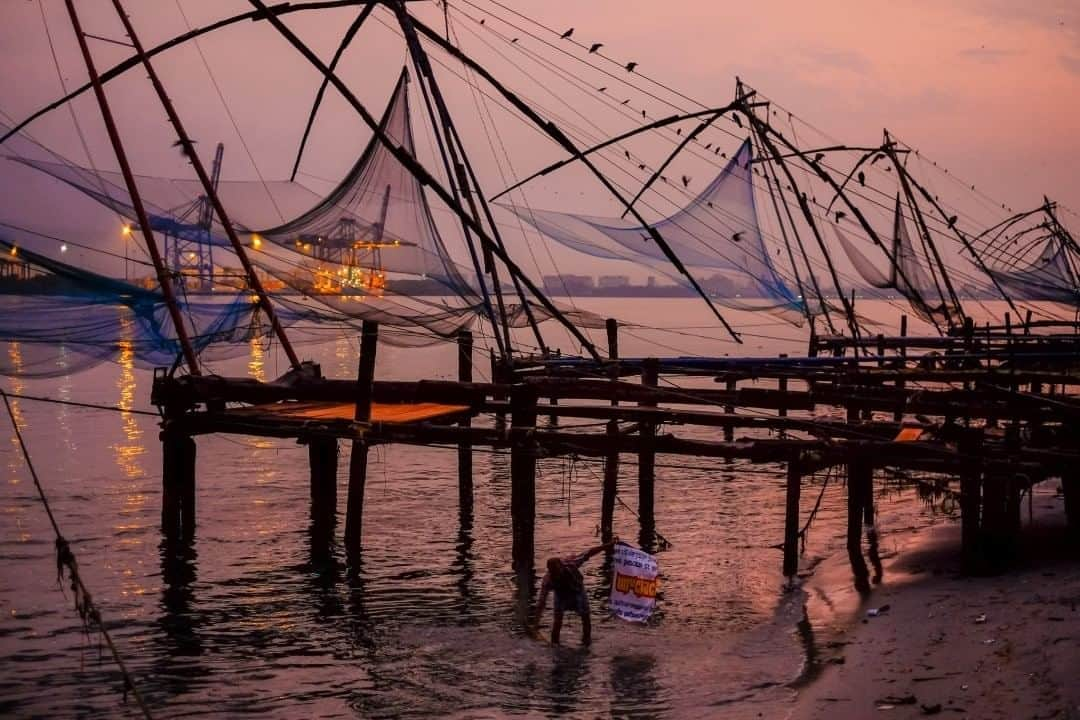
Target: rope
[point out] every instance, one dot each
(65, 558)
(73, 403)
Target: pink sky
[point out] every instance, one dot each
(988, 88)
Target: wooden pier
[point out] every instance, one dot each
(989, 414)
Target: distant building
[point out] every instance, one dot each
(613, 281)
(561, 284)
(651, 281)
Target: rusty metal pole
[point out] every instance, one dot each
(208, 186)
(136, 200)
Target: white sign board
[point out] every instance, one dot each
(635, 584)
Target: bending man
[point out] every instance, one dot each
(564, 578)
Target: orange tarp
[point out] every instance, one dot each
(394, 413)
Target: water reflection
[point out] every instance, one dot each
(635, 689)
(178, 665)
(568, 680)
(256, 366)
(15, 458)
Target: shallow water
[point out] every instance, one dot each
(251, 619)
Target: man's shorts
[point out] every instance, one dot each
(578, 602)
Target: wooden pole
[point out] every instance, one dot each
(323, 462)
(465, 458)
(650, 377)
(729, 432)
(791, 518)
(898, 414)
(1070, 488)
(860, 484)
(611, 461)
(970, 447)
(498, 377)
(358, 457)
(178, 485)
(523, 476)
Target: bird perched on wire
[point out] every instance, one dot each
(567, 34)
(862, 178)
(595, 47)
(630, 66)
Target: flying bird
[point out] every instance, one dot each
(642, 113)
(630, 66)
(483, 20)
(678, 131)
(737, 237)
(685, 181)
(567, 34)
(641, 166)
(595, 47)
(627, 154)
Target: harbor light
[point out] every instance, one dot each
(63, 248)
(256, 241)
(126, 231)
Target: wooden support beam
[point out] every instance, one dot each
(611, 460)
(650, 377)
(358, 456)
(1070, 488)
(465, 456)
(791, 518)
(523, 452)
(178, 485)
(323, 462)
(860, 485)
(971, 482)
(731, 386)
(900, 383)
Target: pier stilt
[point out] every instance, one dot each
(465, 457)
(323, 460)
(860, 485)
(970, 447)
(178, 486)
(729, 431)
(870, 521)
(898, 414)
(358, 457)
(791, 518)
(498, 376)
(1070, 487)
(650, 377)
(523, 476)
(611, 461)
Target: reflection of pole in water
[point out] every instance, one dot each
(634, 688)
(569, 678)
(257, 358)
(180, 625)
(462, 566)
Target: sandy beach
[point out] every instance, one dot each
(940, 643)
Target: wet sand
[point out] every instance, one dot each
(1006, 646)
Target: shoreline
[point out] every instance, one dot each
(1003, 646)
